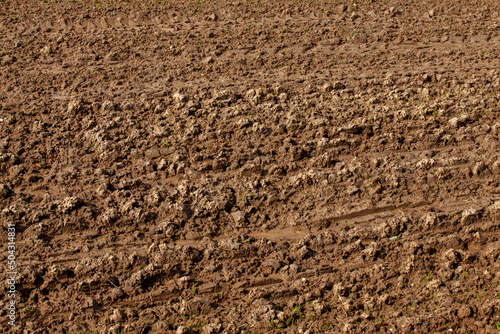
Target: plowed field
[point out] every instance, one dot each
(250, 166)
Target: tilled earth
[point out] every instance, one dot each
(251, 166)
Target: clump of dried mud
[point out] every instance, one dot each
(246, 167)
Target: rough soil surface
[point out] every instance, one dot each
(251, 166)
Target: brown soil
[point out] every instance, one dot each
(251, 166)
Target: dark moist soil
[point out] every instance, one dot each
(251, 166)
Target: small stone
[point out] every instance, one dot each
(301, 253)
(108, 106)
(254, 95)
(352, 190)
(208, 60)
(464, 312)
(244, 122)
(389, 80)
(326, 88)
(159, 131)
(470, 215)
(162, 165)
(114, 329)
(117, 293)
(478, 168)
(90, 302)
(465, 118)
(172, 170)
(238, 217)
(318, 307)
(180, 168)
(293, 269)
(495, 207)
(434, 284)
(441, 173)
(181, 330)
(45, 50)
(152, 153)
(74, 106)
(102, 189)
(426, 163)
(454, 122)
(117, 316)
(496, 167)
(69, 204)
(179, 98)
(192, 106)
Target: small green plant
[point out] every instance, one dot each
(271, 324)
(425, 280)
(483, 292)
(194, 289)
(28, 309)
